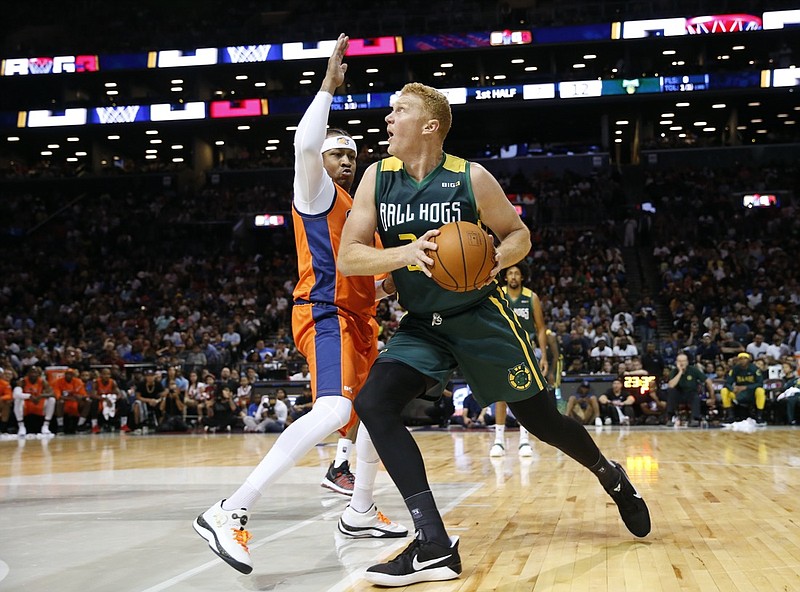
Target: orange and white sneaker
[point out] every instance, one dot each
(371, 523)
(224, 530)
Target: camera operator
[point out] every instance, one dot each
(172, 408)
(269, 417)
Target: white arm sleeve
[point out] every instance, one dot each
(313, 188)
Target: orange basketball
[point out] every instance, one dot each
(464, 259)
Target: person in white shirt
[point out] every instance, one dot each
(625, 348)
(270, 417)
(601, 349)
(304, 374)
(757, 347)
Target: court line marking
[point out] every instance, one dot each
(276, 535)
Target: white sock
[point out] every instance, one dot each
(500, 434)
(366, 471)
(60, 421)
(94, 422)
(342, 452)
(523, 436)
(123, 421)
(327, 415)
(46, 424)
(81, 421)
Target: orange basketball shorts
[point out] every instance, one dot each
(339, 347)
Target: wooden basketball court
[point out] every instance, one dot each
(113, 513)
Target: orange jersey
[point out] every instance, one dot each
(106, 388)
(76, 387)
(35, 389)
(318, 238)
(6, 393)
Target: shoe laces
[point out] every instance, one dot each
(242, 536)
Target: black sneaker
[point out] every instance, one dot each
(422, 561)
(340, 479)
(631, 505)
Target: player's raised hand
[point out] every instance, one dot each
(334, 75)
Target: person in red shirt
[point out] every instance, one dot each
(33, 396)
(71, 397)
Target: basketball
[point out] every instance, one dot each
(464, 259)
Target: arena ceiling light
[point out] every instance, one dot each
(517, 61)
(81, 153)
(73, 139)
(700, 123)
(623, 122)
(110, 85)
(151, 132)
(374, 130)
(176, 81)
(684, 104)
(176, 88)
(718, 106)
(12, 139)
(177, 159)
(372, 70)
(46, 153)
(260, 84)
(448, 65)
(676, 128)
(667, 115)
(668, 52)
(270, 147)
(757, 120)
(242, 77)
(737, 48)
(53, 146)
(709, 129)
(242, 128)
(156, 141)
(151, 156)
(219, 143)
(782, 115)
(578, 66)
(353, 121)
(308, 73)
(113, 137)
(665, 122)
(358, 137)
(590, 56)
(112, 92)
(177, 146)
(275, 141)
(72, 159)
(291, 128)
(789, 122)
(305, 81)
(754, 104)
(531, 68)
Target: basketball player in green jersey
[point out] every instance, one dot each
(407, 197)
(525, 304)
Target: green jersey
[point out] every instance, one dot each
(748, 376)
(523, 308)
(407, 209)
(692, 379)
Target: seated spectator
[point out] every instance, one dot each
(624, 348)
(616, 406)
(601, 350)
(652, 361)
(790, 396)
(472, 415)
(583, 406)
(222, 412)
(442, 409)
(757, 348)
(270, 417)
(303, 374)
(172, 410)
(729, 346)
(148, 398)
(707, 351)
(302, 405)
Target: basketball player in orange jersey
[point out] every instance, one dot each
(6, 400)
(106, 391)
(333, 326)
(475, 331)
(71, 397)
(526, 305)
(33, 396)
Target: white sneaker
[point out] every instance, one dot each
(371, 523)
(224, 530)
(497, 450)
(46, 432)
(525, 449)
(21, 431)
(598, 421)
(607, 421)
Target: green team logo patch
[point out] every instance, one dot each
(520, 377)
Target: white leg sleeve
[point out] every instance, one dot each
(49, 408)
(366, 471)
(19, 409)
(327, 415)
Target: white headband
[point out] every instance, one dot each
(339, 142)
